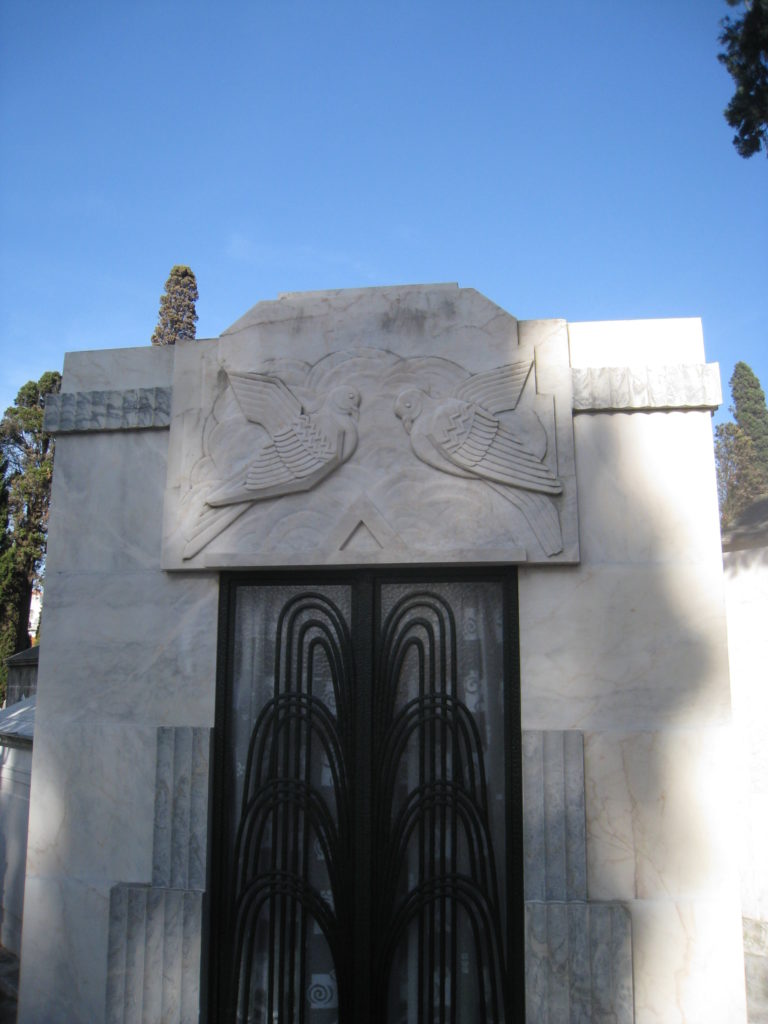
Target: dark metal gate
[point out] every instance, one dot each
(367, 861)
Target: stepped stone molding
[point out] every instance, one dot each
(155, 931)
(578, 955)
(181, 808)
(622, 388)
(554, 819)
(134, 409)
(578, 963)
(153, 971)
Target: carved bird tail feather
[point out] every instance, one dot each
(540, 514)
(210, 523)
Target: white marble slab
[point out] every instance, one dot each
(107, 502)
(148, 366)
(647, 488)
(93, 785)
(660, 814)
(129, 646)
(688, 963)
(623, 646)
(64, 951)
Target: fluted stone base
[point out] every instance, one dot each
(154, 955)
(578, 964)
(155, 931)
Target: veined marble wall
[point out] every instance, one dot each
(622, 626)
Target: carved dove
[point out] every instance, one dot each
(303, 447)
(462, 434)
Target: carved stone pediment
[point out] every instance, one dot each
(369, 455)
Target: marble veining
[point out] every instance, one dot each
(578, 964)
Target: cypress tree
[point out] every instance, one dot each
(177, 317)
(740, 480)
(26, 465)
(750, 411)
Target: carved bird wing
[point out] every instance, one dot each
(265, 400)
(475, 441)
(297, 457)
(496, 390)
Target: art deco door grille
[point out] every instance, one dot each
(367, 837)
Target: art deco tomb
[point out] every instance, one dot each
(384, 676)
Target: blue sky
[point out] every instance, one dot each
(567, 159)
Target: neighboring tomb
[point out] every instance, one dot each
(745, 562)
(333, 440)
(17, 724)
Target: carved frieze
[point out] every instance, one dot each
(366, 456)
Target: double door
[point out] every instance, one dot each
(367, 862)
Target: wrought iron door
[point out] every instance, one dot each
(367, 860)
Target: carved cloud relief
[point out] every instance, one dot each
(300, 458)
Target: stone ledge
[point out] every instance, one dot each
(643, 389)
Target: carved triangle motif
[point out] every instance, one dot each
(361, 539)
(364, 530)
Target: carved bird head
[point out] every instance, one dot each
(408, 406)
(345, 399)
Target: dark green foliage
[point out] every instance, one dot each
(740, 480)
(750, 411)
(741, 448)
(177, 317)
(745, 40)
(26, 467)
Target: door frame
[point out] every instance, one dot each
(362, 621)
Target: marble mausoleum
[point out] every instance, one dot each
(385, 676)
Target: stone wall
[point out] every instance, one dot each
(745, 561)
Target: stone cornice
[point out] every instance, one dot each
(623, 388)
(134, 409)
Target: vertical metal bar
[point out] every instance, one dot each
(364, 652)
(514, 976)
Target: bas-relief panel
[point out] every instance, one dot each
(365, 456)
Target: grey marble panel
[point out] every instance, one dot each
(658, 387)
(153, 965)
(578, 964)
(554, 818)
(181, 808)
(133, 409)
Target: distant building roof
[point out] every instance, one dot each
(750, 529)
(28, 657)
(18, 721)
